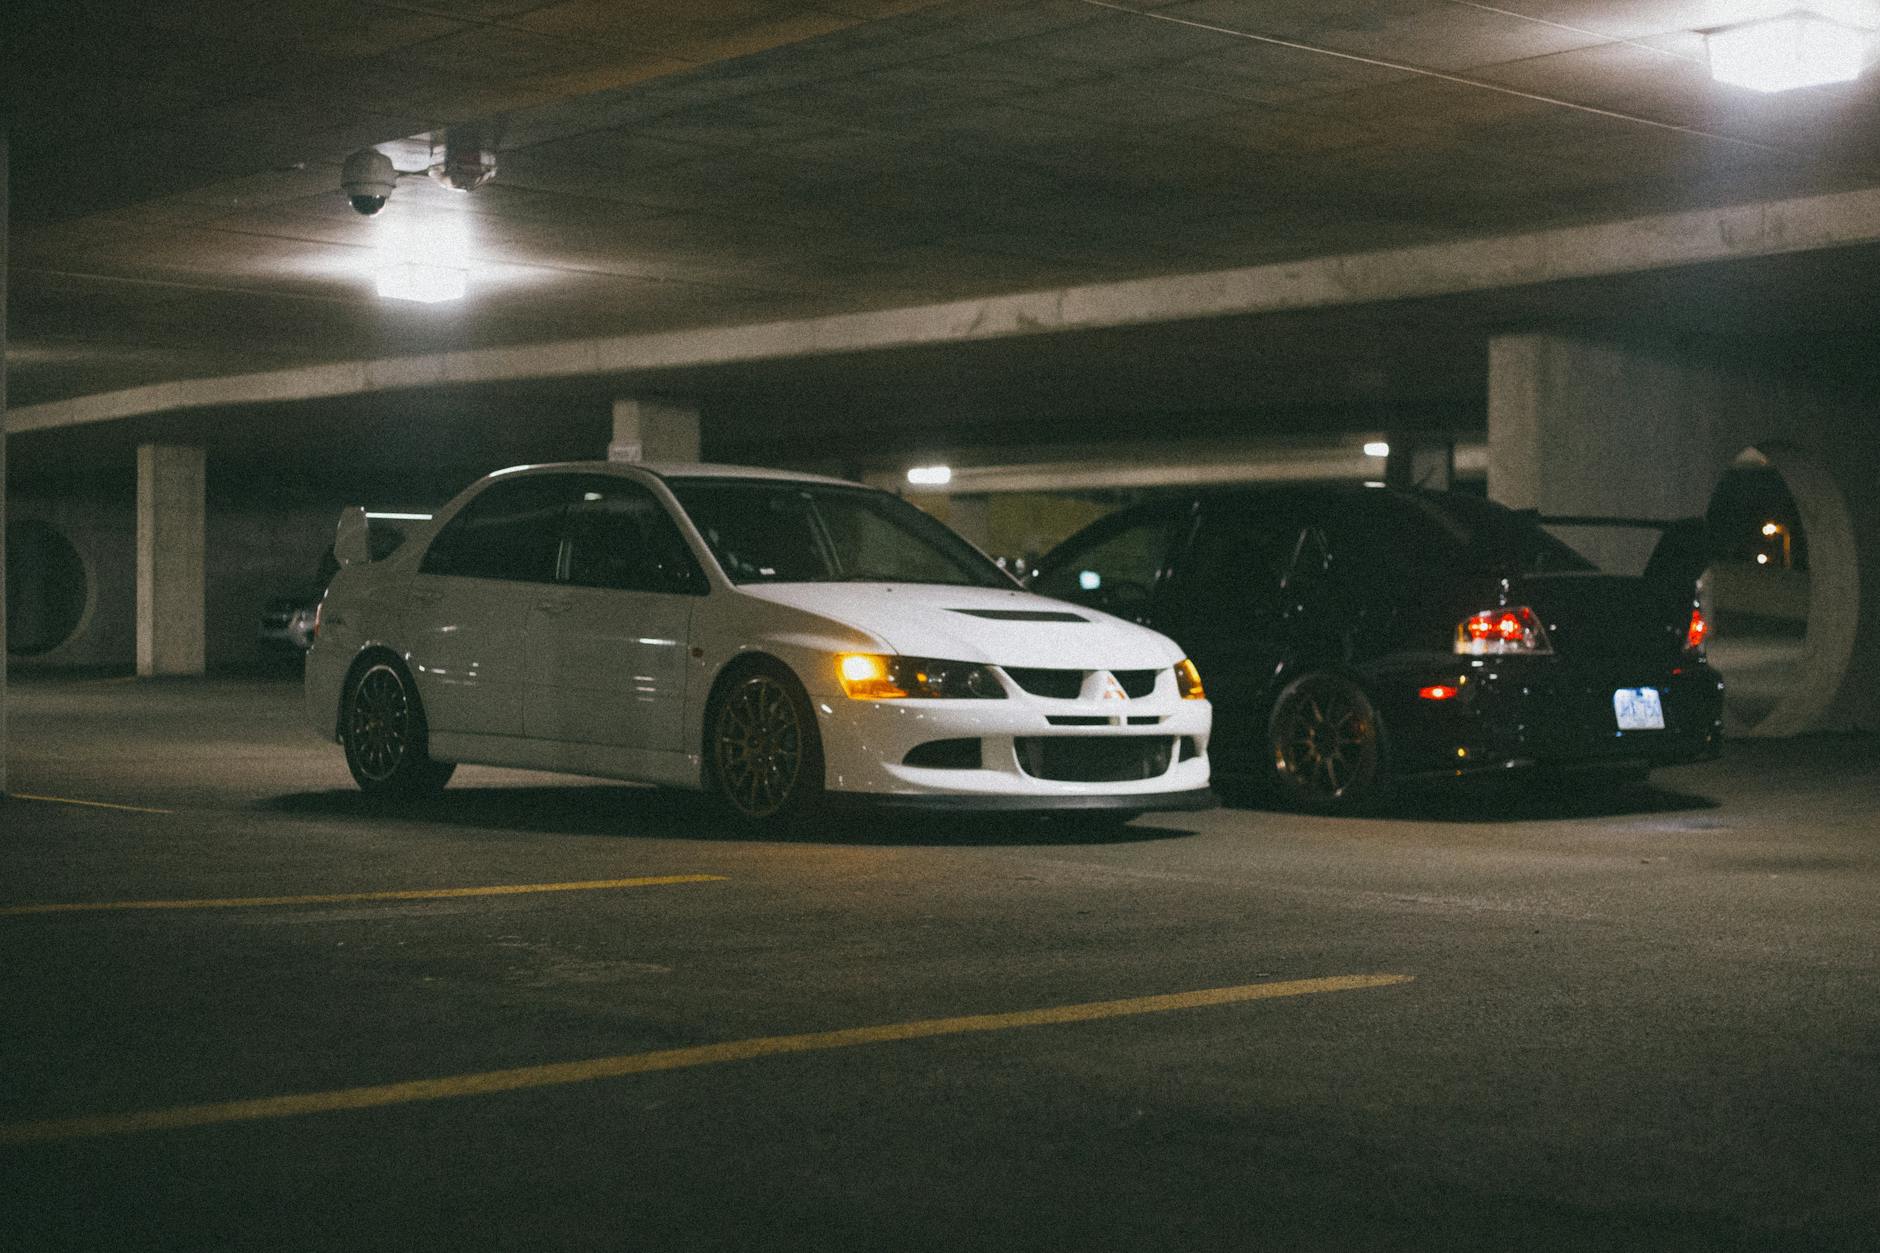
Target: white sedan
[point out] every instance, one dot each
(782, 640)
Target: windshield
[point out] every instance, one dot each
(764, 531)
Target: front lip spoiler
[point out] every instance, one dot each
(1141, 802)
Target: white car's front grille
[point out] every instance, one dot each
(1095, 759)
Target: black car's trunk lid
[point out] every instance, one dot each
(1608, 620)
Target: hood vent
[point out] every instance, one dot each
(1023, 615)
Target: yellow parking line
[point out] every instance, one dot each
(67, 800)
(329, 898)
(494, 1081)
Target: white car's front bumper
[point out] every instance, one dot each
(1032, 752)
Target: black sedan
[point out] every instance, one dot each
(1350, 637)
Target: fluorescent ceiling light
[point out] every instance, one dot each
(1782, 53)
(1376, 448)
(426, 284)
(930, 476)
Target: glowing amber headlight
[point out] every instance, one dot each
(868, 676)
(1188, 681)
(865, 677)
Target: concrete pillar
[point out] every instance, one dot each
(3, 463)
(654, 430)
(170, 559)
(1589, 428)
(1583, 427)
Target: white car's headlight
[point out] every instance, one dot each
(874, 676)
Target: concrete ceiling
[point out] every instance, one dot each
(177, 211)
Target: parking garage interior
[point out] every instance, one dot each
(1078, 253)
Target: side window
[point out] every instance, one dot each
(1239, 560)
(617, 535)
(1117, 568)
(1388, 536)
(510, 531)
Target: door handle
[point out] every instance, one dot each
(553, 608)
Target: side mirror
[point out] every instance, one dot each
(352, 543)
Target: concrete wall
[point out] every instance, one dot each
(254, 552)
(103, 531)
(1576, 426)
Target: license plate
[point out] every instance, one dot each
(1638, 709)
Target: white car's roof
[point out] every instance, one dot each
(686, 470)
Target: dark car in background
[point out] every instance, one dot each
(288, 622)
(1352, 637)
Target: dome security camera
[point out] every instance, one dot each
(368, 180)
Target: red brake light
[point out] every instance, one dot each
(1438, 691)
(1695, 633)
(1499, 631)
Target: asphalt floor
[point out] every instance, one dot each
(247, 1008)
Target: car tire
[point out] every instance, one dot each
(382, 726)
(1325, 746)
(763, 748)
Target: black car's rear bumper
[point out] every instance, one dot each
(1534, 711)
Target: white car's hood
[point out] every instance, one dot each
(1007, 628)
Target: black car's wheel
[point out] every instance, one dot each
(1326, 745)
(766, 756)
(382, 728)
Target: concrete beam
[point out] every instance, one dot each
(1627, 246)
(1177, 465)
(171, 509)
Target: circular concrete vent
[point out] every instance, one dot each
(46, 588)
(1780, 591)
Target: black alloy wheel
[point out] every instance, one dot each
(765, 753)
(382, 728)
(1326, 745)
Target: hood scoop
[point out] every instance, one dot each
(1023, 615)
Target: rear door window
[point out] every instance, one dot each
(1239, 560)
(510, 531)
(1379, 534)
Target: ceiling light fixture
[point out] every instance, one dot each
(1782, 53)
(930, 476)
(1377, 448)
(426, 284)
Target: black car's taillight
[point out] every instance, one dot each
(1501, 632)
(1696, 632)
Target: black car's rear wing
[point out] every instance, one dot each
(1683, 549)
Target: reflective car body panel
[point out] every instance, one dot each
(607, 666)
(467, 640)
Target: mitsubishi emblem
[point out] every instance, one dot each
(1112, 690)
